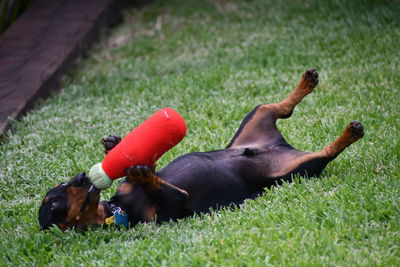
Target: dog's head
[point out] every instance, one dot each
(70, 205)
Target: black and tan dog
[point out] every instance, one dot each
(257, 157)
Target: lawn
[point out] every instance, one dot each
(213, 61)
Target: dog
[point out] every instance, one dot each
(257, 157)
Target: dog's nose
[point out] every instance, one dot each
(81, 179)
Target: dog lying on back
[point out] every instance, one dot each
(257, 157)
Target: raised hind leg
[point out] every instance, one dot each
(312, 164)
(259, 127)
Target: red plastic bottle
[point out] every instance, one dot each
(142, 146)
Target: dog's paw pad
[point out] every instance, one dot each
(356, 129)
(109, 142)
(140, 173)
(311, 76)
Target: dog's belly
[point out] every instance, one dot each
(211, 179)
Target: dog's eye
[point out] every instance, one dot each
(54, 205)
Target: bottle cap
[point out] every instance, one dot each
(99, 178)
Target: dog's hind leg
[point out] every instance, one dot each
(169, 199)
(259, 127)
(312, 164)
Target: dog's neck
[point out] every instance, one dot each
(101, 214)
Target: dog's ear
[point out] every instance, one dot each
(54, 208)
(55, 204)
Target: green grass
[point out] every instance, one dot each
(213, 61)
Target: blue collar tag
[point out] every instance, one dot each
(121, 218)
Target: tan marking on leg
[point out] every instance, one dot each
(148, 180)
(296, 163)
(140, 175)
(251, 134)
(351, 134)
(150, 214)
(144, 177)
(156, 183)
(305, 86)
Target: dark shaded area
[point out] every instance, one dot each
(38, 48)
(10, 10)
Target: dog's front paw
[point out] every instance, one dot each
(311, 77)
(109, 142)
(140, 174)
(356, 129)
